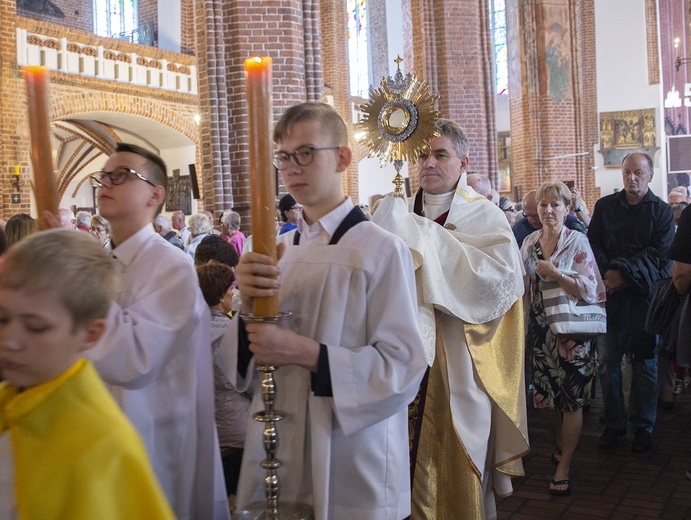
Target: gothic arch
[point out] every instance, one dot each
(176, 116)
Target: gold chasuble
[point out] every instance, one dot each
(468, 424)
(441, 487)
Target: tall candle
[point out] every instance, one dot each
(38, 98)
(262, 173)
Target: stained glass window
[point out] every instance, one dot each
(500, 51)
(114, 17)
(358, 47)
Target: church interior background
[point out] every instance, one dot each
(546, 89)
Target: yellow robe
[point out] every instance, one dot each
(75, 454)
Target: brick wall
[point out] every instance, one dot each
(70, 95)
(79, 14)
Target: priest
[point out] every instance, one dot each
(468, 422)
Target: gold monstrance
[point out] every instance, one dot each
(399, 121)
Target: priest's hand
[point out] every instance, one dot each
(274, 345)
(257, 276)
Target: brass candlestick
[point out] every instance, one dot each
(270, 510)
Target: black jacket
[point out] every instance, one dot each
(634, 240)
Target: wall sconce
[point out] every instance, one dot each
(15, 182)
(197, 119)
(678, 60)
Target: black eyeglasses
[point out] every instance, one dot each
(531, 215)
(115, 178)
(303, 156)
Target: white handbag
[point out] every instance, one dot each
(569, 318)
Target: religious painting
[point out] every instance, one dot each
(41, 7)
(622, 133)
(179, 196)
(558, 59)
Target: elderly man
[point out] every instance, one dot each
(164, 227)
(468, 423)
(67, 219)
(531, 222)
(178, 219)
(481, 184)
(630, 234)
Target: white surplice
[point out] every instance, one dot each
(156, 359)
(469, 270)
(345, 455)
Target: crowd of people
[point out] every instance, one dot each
(418, 337)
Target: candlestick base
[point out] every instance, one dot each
(289, 511)
(271, 510)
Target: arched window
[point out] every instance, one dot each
(358, 48)
(500, 51)
(113, 18)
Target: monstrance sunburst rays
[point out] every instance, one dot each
(399, 121)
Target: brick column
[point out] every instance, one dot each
(334, 28)
(552, 93)
(228, 33)
(449, 44)
(215, 169)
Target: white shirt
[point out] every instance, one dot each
(185, 234)
(156, 353)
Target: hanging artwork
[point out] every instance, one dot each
(622, 133)
(41, 7)
(179, 193)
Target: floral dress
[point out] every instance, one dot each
(562, 368)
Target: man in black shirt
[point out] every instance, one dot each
(630, 234)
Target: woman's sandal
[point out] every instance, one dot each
(560, 492)
(556, 456)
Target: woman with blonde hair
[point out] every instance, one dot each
(18, 227)
(100, 230)
(562, 367)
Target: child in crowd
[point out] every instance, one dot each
(232, 407)
(350, 357)
(66, 449)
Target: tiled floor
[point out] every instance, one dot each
(618, 485)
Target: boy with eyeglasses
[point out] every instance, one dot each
(351, 355)
(157, 353)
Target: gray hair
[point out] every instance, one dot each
(455, 132)
(199, 224)
(163, 221)
(83, 218)
(231, 219)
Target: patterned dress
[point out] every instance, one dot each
(562, 368)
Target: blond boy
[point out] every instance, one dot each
(66, 449)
